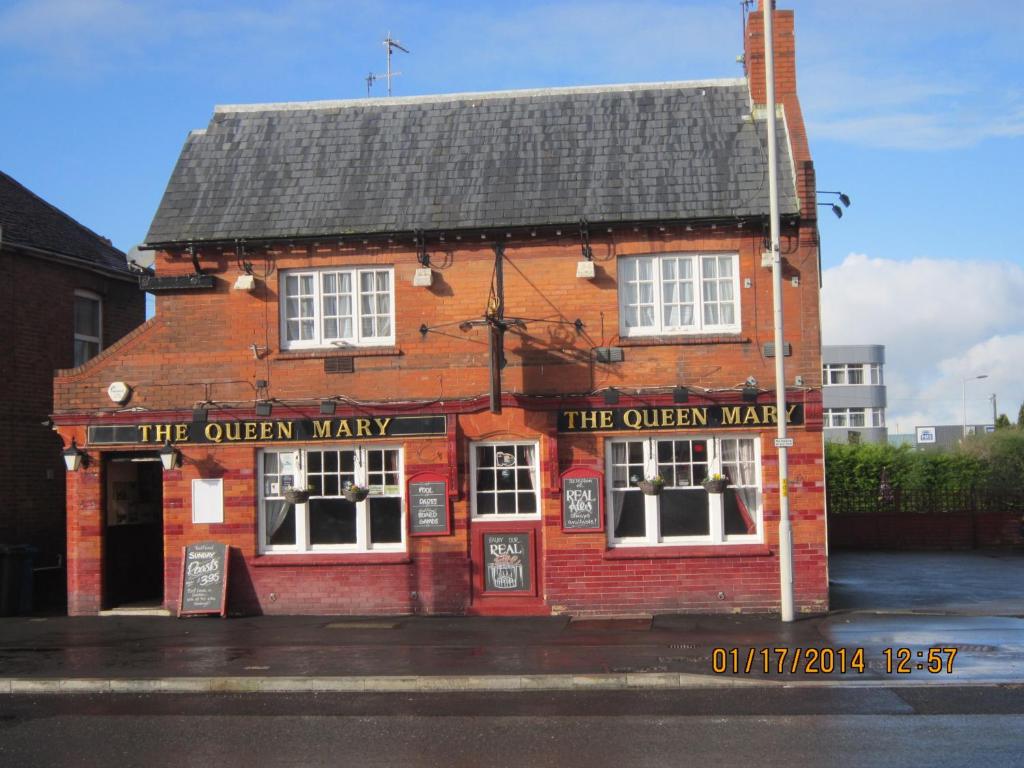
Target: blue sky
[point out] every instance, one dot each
(915, 108)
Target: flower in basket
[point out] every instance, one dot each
(354, 492)
(298, 494)
(651, 486)
(715, 483)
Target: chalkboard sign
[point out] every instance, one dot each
(428, 506)
(581, 501)
(204, 578)
(508, 562)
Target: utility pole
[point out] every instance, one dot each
(785, 527)
(994, 417)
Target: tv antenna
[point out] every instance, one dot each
(389, 43)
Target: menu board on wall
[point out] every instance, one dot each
(428, 506)
(508, 562)
(204, 578)
(581, 501)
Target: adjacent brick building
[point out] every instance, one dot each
(502, 314)
(66, 296)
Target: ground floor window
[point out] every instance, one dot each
(684, 512)
(328, 521)
(505, 480)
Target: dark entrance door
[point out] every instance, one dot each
(134, 556)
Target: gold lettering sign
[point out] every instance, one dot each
(676, 417)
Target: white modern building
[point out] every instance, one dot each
(853, 393)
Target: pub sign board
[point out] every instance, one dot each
(508, 562)
(268, 430)
(675, 417)
(428, 505)
(582, 501)
(204, 578)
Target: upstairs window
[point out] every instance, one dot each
(88, 326)
(337, 307)
(679, 293)
(847, 373)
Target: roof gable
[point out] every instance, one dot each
(520, 158)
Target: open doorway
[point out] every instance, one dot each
(133, 515)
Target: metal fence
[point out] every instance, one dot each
(911, 502)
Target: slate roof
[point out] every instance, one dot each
(516, 158)
(29, 220)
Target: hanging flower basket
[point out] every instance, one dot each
(715, 484)
(296, 495)
(355, 493)
(651, 486)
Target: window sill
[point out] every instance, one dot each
(321, 559)
(318, 354)
(678, 552)
(683, 340)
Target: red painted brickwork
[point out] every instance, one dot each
(36, 305)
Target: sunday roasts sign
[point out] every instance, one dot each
(204, 578)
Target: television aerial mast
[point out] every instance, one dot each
(389, 43)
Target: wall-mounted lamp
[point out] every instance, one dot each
(244, 283)
(74, 457)
(844, 199)
(200, 413)
(750, 390)
(680, 395)
(170, 457)
(611, 396)
(328, 407)
(264, 408)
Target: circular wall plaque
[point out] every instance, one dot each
(119, 392)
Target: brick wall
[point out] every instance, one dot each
(36, 305)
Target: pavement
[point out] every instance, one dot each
(884, 603)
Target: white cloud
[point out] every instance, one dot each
(941, 321)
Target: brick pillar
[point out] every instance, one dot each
(85, 539)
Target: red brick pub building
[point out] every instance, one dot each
(496, 315)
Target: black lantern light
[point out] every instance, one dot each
(74, 457)
(170, 457)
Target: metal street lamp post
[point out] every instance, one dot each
(964, 395)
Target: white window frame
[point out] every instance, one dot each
(302, 544)
(697, 281)
(870, 373)
(839, 418)
(319, 340)
(716, 505)
(473, 481)
(97, 340)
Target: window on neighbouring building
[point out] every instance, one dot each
(327, 521)
(88, 313)
(679, 293)
(505, 480)
(851, 373)
(684, 512)
(854, 417)
(353, 306)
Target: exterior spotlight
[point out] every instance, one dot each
(680, 395)
(200, 414)
(264, 408)
(835, 209)
(74, 457)
(170, 457)
(844, 199)
(750, 394)
(611, 396)
(327, 407)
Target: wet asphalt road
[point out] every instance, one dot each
(951, 726)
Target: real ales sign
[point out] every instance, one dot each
(582, 508)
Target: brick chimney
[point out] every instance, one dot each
(785, 55)
(785, 92)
